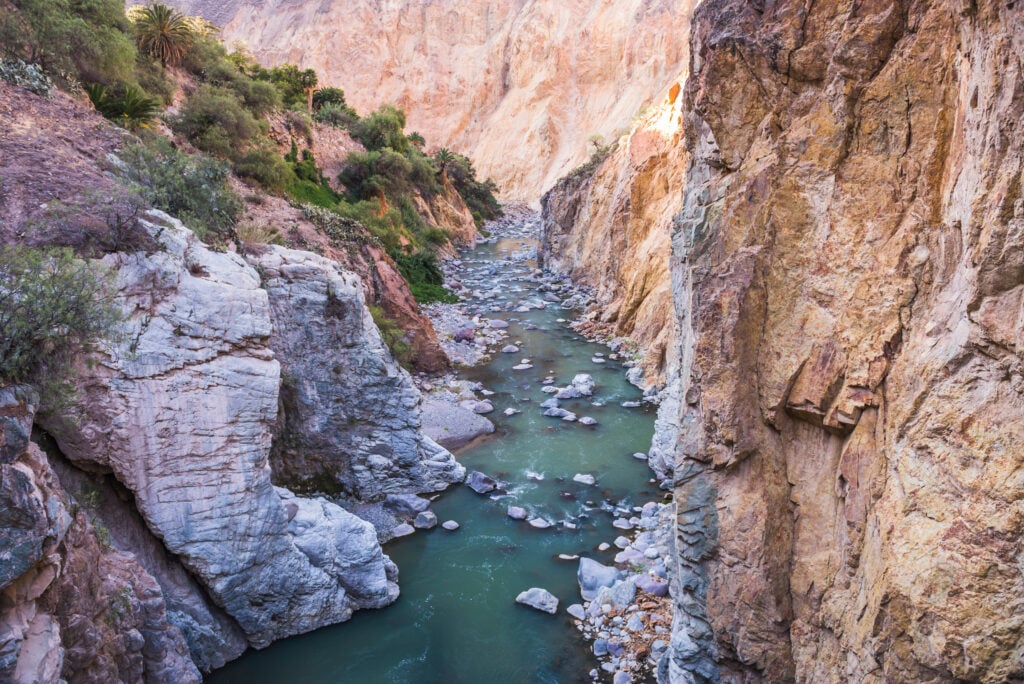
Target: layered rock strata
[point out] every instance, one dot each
(848, 283)
(518, 86)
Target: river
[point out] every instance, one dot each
(456, 620)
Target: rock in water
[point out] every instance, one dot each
(450, 525)
(517, 513)
(587, 420)
(584, 384)
(540, 523)
(425, 520)
(538, 598)
(592, 576)
(480, 483)
(584, 478)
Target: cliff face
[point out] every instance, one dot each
(518, 86)
(149, 540)
(609, 225)
(848, 282)
(333, 437)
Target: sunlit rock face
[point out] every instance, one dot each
(848, 284)
(518, 86)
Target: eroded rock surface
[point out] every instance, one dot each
(848, 283)
(350, 420)
(181, 411)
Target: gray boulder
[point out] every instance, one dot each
(538, 598)
(480, 483)
(592, 576)
(425, 520)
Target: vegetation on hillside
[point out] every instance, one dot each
(123, 61)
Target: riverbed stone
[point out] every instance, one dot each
(651, 585)
(403, 530)
(576, 610)
(587, 420)
(540, 523)
(510, 349)
(592, 576)
(540, 599)
(517, 513)
(584, 383)
(450, 525)
(584, 478)
(480, 483)
(425, 520)
(497, 324)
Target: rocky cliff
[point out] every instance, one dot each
(609, 226)
(848, 282)
(156, 498)
(518, 86)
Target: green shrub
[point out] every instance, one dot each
(161, 32)
(376, 173)
(73, 40)
(328, 96)
(124, 104)
(215, 120)
(383, 128)
(192, 188)
(337, 115)
(52, 307)
(266, 167)
(478, 196)
(426, 281)
(392, 334)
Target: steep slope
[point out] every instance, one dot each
(848, 281)
(518, 86)
(609, 226)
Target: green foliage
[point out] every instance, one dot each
(266, 167)
(162, 33)
(28, 76)
(52, 307)
(294, 84)
(376, 173)
(479, 196)
(73, 40)
(326, 96)
(392, 334)
(424, 277)
(124, 104)
(216, 121)
(383, 128)
(337, 115)
(192, 188)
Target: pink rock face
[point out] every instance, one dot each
(847, 281)
(518, 86)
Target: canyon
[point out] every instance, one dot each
(807, 245)
(520, 86)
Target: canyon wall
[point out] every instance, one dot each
(848, 279)
(609, 225)
(518, 86)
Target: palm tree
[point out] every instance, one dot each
(163, 33)
(444, 159)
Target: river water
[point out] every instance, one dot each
(456, 620)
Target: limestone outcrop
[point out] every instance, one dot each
(182, 411)
(609, 226)
(350, 419)
(848, 284)
(517, 86)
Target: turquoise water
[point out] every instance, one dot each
(456, 619)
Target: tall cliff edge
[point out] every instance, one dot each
(848, 282)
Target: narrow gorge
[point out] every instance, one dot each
(729, 388)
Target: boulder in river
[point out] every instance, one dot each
(540, 523)
(593, 575)
(517, 512)
(584, 383)
(450, 525)
(510, 349)
(451, 425)
(403, 530)
(425, 520)
(652, 585)
(480, 483)
(584, 478)
(587, 420)
(405, 505)
(497, 323)
(540, 599)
